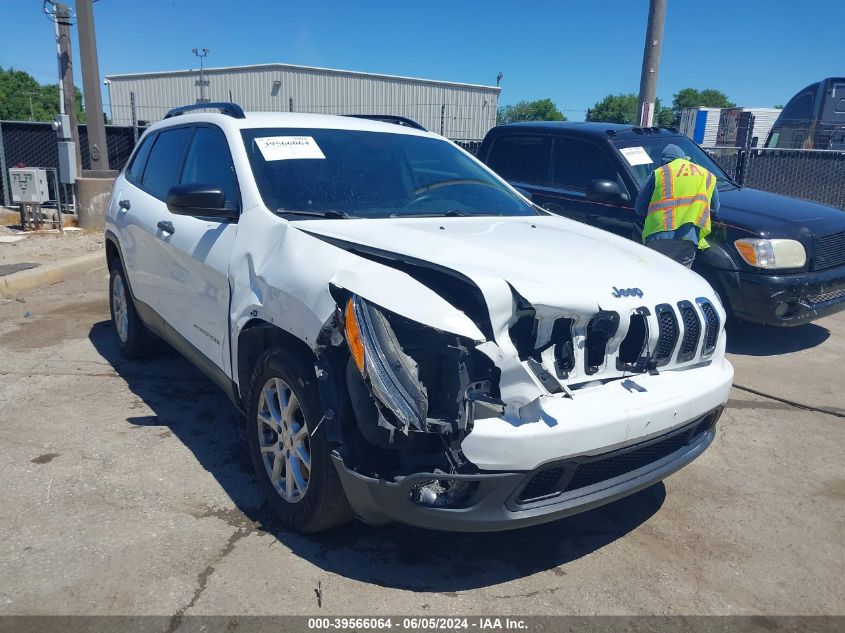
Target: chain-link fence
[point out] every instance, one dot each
(817, 175)
(36, 145)
(811, 174)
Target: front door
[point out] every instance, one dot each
(194, 289)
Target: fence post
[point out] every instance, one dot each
(745, 144)
(442, 118)
(7, 197)
(134, 116)
(290, 104)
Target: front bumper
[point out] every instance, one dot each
(509, 500)
(786, 300)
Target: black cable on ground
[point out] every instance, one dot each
(797, 405)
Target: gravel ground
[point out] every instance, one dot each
(42, 247)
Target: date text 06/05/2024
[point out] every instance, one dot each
(418, 623)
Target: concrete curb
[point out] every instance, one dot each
(11, 285)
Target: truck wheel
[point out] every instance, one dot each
(132, 337)
(288, 447)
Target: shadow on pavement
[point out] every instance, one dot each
(750, 339)
(190, 406)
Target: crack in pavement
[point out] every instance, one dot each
(205, 575)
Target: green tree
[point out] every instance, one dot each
(17, 88)
(539, 110)
(692, 98)
(623, 108)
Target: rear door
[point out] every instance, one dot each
(575, 163)
(194, 284)
(134, 224)
(143, 209)
(523, 158)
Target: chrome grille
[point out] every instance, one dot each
(830, 251)
(692, 331)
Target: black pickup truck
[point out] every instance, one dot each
(773, 259)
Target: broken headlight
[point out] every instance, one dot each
(392, 374)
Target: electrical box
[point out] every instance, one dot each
(67, 162)
(62, 126)
(29, 185)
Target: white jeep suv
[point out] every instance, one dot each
(409, 338)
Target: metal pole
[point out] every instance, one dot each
(97, 143)
(201, 55)
(442, 118)
(134, 116)
(31, 111)
(59, 61)
(651, 61)
(4, 175)
(62, 16)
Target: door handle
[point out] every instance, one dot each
(124, 204)
(166, 226)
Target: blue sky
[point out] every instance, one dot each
(758, 52)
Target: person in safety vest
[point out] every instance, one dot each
(677, 203)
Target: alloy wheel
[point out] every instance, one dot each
(284, 440)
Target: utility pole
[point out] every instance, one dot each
(59, 60)
(61, 14)
(201, 55)
(651, 61)
(97, 144)
(31, 111)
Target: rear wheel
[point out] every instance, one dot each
(289, 451)
(133, 339)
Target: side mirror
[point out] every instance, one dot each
(199, 200)
(606, 191)
(524, 192)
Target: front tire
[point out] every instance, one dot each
(292, 461)
(133, 339)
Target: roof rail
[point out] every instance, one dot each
(390, 118)
(232, 109)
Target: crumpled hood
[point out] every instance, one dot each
(550, 261)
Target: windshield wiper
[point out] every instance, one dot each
(454, 213)
(332, 215)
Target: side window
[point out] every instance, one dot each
(575, 163)
(209, 162)
(521, 158)
(162, 170)
(136, 168)
(801, 105)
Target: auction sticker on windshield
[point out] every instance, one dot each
(288, 147)
(636, 156)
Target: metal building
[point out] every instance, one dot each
(456, 110)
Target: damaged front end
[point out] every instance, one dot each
(413, 394)
(450, 431)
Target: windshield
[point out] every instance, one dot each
(348, 173)
(653, 147)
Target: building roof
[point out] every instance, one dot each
(224, 69)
